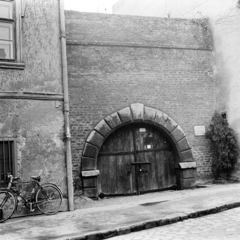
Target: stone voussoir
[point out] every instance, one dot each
(95, 139)
(149, 114)
(170, 124)
(183, 144)
(137, 111)
(90, 150)
(187, 156)
(103, 128)
(113, 120)
(88, 163)
(125, 115)
(160, 118)
(178, 133)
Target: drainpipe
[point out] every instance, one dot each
(66, 108)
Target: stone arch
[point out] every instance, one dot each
(137, 112)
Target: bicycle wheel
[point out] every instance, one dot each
(8, 204)
(49, 199)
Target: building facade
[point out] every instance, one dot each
(32, 135)
(139, 87)
(142, 91)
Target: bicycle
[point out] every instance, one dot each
(47, 197)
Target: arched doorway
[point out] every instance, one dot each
(135, 159)
(139, 122)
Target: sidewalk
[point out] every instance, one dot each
(110, 217)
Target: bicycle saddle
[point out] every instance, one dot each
(38, 178)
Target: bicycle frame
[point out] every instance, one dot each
(26, 201)
(32, 201)
(46, 197)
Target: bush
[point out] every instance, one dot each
(224, 145)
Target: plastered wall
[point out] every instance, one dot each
(36, 125)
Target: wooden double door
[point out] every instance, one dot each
(134, 159)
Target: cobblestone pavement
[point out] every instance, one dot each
(220, 226)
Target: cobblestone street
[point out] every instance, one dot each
(220, 226)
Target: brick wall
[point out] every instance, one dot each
(114, 61)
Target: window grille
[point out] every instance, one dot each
(6, 161)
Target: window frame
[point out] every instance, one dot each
(13, 22)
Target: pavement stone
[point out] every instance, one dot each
(221, 226)
(111, 217)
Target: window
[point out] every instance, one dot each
(10, 34)
(7, 26)
(7, 161)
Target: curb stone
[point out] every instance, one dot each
(123, 230)
(154, 223)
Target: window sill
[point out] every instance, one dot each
(12, 65)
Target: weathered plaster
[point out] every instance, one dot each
(41, 50)
(37, 127)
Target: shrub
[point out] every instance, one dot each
(224, 145)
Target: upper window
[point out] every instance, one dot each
(7, 23)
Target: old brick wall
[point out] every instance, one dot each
(114, 61)
(36, 125)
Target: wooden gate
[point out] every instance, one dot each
(136, 158)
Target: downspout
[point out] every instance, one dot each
(66, 108)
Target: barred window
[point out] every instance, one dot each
(7, 26)
(7, 160)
